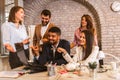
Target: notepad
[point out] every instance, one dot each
(21, 53)
(9, 74)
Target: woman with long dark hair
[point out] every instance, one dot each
(86, 52)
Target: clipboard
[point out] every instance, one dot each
(21, 53)
(19, 47)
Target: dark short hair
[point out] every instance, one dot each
(55, 30)
(46, 12)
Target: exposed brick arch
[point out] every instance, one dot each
(106, 21)
(34, 7)
(96, 15)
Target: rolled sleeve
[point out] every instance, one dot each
(5, 33)
(67, 57)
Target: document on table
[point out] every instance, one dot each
(10, 74)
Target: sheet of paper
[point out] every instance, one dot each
(12, 74)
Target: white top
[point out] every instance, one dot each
(11, 34)
(78, 56)
(43, 30)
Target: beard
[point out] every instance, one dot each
(53, 42)
(44, 23)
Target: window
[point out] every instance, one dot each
(5, 6)
(8, 5)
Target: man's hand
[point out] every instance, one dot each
(61, 50)
(9, 47)
(44, 40)
(35, 50)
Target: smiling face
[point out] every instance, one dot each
(53, 38)
(45, 19)
(83, 22)
(19, 15)
(82, 39)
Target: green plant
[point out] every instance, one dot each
(92, 65)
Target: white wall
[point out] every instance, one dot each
(31, 33)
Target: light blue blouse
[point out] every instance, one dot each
(11, 34)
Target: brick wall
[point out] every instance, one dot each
(66, 14)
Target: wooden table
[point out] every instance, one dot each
(66, 76)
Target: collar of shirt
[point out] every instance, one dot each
(54, 48)
(46, 25)
(13, 25)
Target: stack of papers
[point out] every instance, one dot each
(10, 74)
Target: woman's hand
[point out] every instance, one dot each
(61, 50)
(26, 41)
(9, 47)
(72, 45)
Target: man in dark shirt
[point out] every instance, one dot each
(50, 51)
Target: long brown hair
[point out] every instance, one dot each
(89, 37)
(13, 10)
(89, 22)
